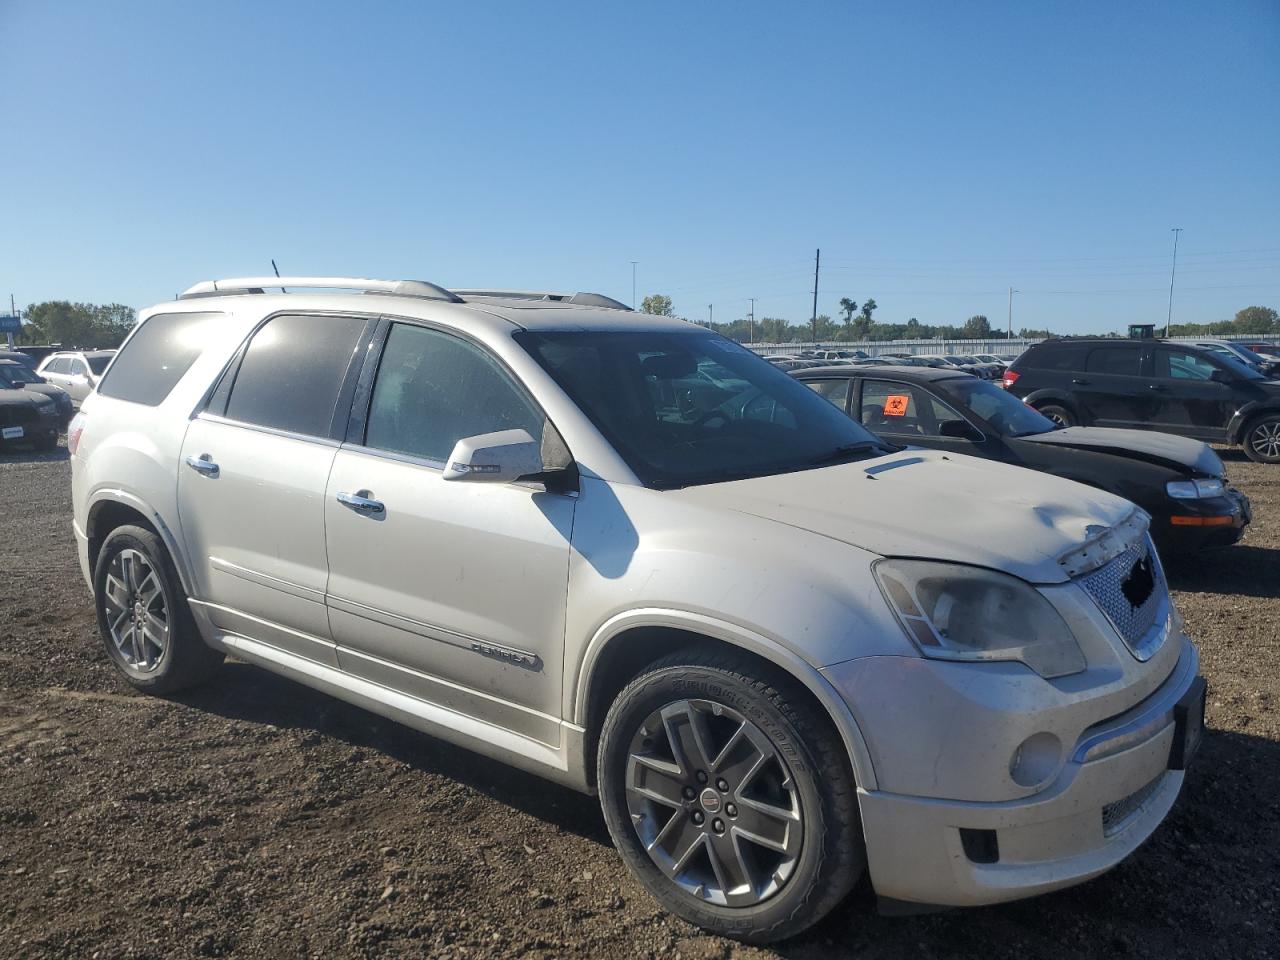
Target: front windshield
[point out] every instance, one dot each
(1239, 367)
(1008, 415)
(684, 408)
(98, 364)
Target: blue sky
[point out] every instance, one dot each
(937, 153)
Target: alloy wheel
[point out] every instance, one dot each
(1265, 439)
(137, 615)
(714, 803)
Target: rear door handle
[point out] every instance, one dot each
(1083, 383)
(361, 503)
(1156, 386)
(203, 464)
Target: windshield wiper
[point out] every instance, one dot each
(848, 451)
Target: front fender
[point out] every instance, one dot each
(738, 636)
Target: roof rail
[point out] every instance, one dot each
(581, 299)
(403, 288)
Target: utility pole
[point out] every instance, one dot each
(1173, 273)
(1011, 293)
(13, 312)
(633, 283)
(817, 259)
(711, 313)
(751, 321)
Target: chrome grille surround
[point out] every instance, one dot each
(1144, 628)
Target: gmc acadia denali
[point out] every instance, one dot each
(627, 554)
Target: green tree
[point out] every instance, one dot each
(77, 324)
(977, 327)
(848, 308)
(868, 308)
(657, 304)
(1256, 320)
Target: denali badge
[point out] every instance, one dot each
(521, 658)
(1137, 586)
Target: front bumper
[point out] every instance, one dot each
(1114, 790)
(1195, 525)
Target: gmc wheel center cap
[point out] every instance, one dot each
(710, 800)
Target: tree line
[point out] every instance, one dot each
(84, 325)
(856, 324)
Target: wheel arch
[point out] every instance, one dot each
(1246, 415)
(628, 642)
(112, 508)
(1036, 398)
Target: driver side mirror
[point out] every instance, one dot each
(1221, 376)
(500, 457)
(958, 430)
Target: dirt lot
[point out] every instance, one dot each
(255, 818)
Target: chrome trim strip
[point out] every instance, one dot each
(1105, 545)
(508, 654)
(266, 580)
(328, 645)
(1144, 721)
(269, 431)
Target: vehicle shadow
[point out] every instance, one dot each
(1241, 570)
(29, 455)
(245, 692)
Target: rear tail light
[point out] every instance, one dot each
(74, 429)
(1010, 378)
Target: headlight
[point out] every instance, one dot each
(954, 612)
(1195, 489)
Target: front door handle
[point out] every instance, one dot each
(1083, 383)
(1156, 386)
(203, 464)
(361, 503)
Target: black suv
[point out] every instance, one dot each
(1151, 385)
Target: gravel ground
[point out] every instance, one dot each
(255, 818)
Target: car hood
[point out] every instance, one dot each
(47, 389)
(19, 398)
(933, 505)
(1165, 449)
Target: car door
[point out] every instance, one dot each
(1186, 400)
(252, 478)
(56, 372)
(909, 413)
(1111, 391)
(78, 383)
(448, 591)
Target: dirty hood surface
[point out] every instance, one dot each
(934, 505)
(1163, 448)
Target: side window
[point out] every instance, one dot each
(433, 389)
(1180, 365)
(900, 408)
(57, 365)
(1121, 361)
(157, 356)
(837, 391)
(78, 368)
(292, 373)
(1054, 358)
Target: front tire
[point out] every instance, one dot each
(730, 796)
(1058, 414)
(1262, 440)
(143, 616)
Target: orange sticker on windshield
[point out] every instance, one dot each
(895, 405)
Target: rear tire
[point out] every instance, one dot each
(1058, 414)
(1261, 439)
(143, 617)
(702, 753)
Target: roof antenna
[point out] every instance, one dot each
(277, 270)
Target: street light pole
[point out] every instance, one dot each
(1173, 273)
(1011, 293)
(711, 313)
(751, 321)
(633, 283)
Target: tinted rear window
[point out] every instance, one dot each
(156, 357)
(1053, 358)
(98, 364)
(292, 373)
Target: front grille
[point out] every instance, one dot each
(1132, 592)
(1116, 815)
(16, 415)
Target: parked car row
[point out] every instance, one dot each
(622, 552)
(1168, 386)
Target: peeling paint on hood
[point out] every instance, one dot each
(932, 505)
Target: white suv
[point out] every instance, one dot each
(627, 554)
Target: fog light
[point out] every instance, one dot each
(1035, 760)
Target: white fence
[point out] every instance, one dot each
(998, 346)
